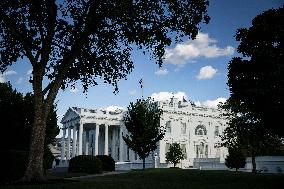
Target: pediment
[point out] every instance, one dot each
(71, 114)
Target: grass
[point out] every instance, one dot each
(166, 179)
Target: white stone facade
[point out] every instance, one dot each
(98, 132)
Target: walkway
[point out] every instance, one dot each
(97, 175)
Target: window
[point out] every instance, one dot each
(183, 148)
(167, 147)
(183, 128)
(216, 131)
(200, 130)
(168, 127)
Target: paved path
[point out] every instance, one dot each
(97, 175)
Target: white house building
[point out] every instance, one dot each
(99, 132)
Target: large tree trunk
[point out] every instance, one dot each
(143, 163)
(34, 171)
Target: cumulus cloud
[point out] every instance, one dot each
(132, 93)
(202, 46)
(162, 96)
(161, 71)
(114, 108)
(211, 103)
(74, 90)
(5, 74)
(206, 72)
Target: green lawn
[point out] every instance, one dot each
(167, 179)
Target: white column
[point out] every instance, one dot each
(106, 139)
(68, 143)
(63, 145)
(113, 152)
(91, 142)
(120, 144)
(87, 142)
(84, 143)
(74, 141)
(80, 142)
(97, 139)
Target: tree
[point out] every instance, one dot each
(70, 40)
(235, 159)
(256, 84)
(175, 154)
(16, 110)
(142, 121)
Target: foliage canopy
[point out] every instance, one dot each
(175, 154)
(142, 121)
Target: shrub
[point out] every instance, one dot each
(14, 164)
(108, 163)
(235, 159)
(85, 164)
(48, 158)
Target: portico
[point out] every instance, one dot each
(91, 135)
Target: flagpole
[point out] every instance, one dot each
(141, 85)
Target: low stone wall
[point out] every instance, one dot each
(121, 166)
(267, 164)
(209, 164)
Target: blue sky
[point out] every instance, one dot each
(197, 69)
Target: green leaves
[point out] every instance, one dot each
(175, 154)
(142, 122)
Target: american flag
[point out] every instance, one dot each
(141, 82)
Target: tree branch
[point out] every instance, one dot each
(10, 23)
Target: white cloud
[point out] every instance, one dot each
(5, 74)
(202, 46)
(132, 93)
(206, 72)
(162, 96)
(30, 71)
(161, 71)
(211, 103)
(74, 90)
(113, 108)
(20, 80)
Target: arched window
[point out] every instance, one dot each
(200, 130)
(168, 127)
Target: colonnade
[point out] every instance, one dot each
(85, 140)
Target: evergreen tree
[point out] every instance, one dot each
(256, 84)
(235, 159)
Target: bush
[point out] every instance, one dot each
(108, 163)
(235, 159)
(14, 164)
(85, 164)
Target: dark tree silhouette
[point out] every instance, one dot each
(256, 84)
(235, 159)
(142, 122)
(17, 111)
(175, 154)
(85, 40)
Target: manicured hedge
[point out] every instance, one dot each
(108, 162)
(85, 164)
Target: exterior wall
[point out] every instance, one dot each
(180, 113)
(197, 143)
(267, 164)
